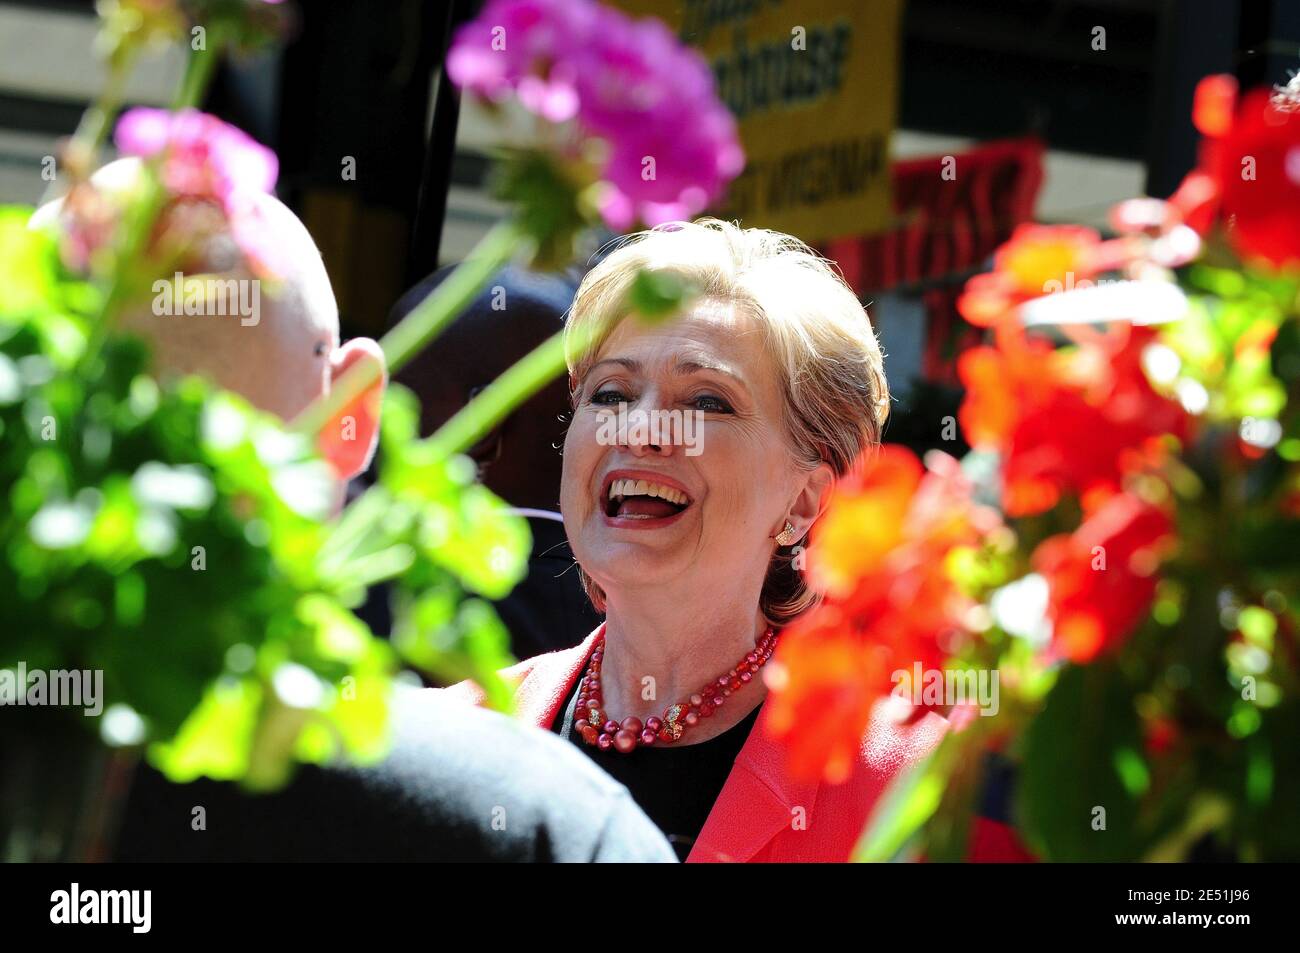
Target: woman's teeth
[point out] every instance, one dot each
(657, 501)
(625, 488)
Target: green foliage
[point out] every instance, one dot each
(907, 805)
(657, 296)
(444, 540)
(1084, 774)
(180, 541)
(1182, 737)
(549, 206)
(1215, 340)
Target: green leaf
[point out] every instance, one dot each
(216, 740)
(546, 196)
(1083, 774)
(453, 640)
(655, 296)
(478, 541)
(27, 266)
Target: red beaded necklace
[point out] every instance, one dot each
(598, 729)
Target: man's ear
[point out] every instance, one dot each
(348, 440)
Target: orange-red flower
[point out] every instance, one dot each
(1038, 260)
(1102, 577)
(1064, 420)
(877, 496)
(1196, 201)
(1252, 155)
(1160, 735)
(1213, 104)
(879, 552)
(1248, 175)
(823, 682)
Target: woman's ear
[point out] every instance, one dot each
(348, 440)
(813, 498)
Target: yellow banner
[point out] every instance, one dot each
(813, 85)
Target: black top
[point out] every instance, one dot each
(460, 784)
(676, 785)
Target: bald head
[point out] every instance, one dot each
(274, 342)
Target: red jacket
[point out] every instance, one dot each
(754, 817)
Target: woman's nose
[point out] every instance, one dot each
(648, 430)
(652, 447)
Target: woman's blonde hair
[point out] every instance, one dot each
(818, 334)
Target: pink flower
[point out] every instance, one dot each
(672, 147)
(206, 159)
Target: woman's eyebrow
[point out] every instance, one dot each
(626, 362)
(692, 366)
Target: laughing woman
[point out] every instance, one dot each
(684, 536)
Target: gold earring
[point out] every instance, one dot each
(786, 536)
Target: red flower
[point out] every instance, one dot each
(879, 552)
(1253, 157)
(1160, 735)
(877, 496)
(823, 683)
(1039, 260)
(1102, 577)
(1248, 176)
(835, 663)
(1196, 202)
(1064, 420)
(1213, 104)
(1024, 267)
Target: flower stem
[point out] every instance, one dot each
(451, 297)
(198, 72)
(520, 381)
(92, 130)
(422, 325)
(137, 223)
(138, 219)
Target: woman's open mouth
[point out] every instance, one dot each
(643, 501)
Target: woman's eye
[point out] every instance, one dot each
(608, 396)
(713, 404)
(319, 349)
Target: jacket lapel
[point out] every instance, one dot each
(758, 801)
(548, 679)
(760, 798)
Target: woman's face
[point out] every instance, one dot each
(731, 479)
